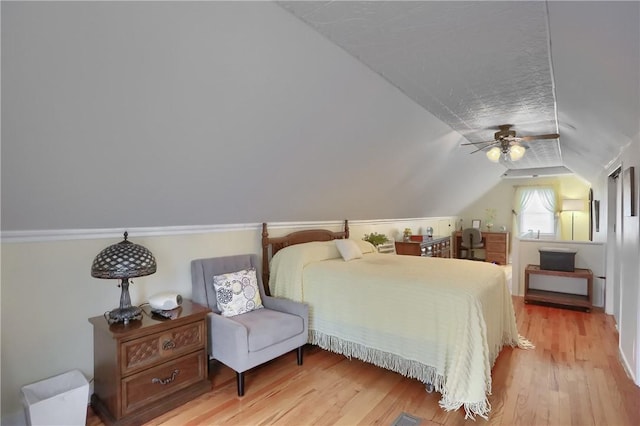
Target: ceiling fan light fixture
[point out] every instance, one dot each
(506, 145)
(494, 154)
(516, 152)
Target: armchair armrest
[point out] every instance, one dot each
(287, 306)
(228, 335)
(292, 307)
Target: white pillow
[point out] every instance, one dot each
(366, 246)
(348, 249)
(237, 292)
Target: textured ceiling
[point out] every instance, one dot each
(474, 65)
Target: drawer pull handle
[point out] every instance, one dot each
(167, 380)
(168, 344)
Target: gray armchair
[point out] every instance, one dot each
(244, 341)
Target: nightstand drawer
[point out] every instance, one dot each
(151, 385)
(156, 348)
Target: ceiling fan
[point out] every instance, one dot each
(506, 144)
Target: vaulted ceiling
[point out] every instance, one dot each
(339, 109)
(571, 68)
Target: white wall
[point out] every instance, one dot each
(498, 197)
(120, 114)
(622, 236)
(629, 253)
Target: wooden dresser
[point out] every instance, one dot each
(148, 367)
(496, 246)
(430, 247)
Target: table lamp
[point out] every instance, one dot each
(123, 260)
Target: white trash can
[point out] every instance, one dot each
(59, 400)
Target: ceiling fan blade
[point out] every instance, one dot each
(486, 146)
(477, 143)
(533, 138)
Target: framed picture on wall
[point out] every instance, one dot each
(628, 192)
(475, 223)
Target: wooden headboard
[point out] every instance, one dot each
(297, 237)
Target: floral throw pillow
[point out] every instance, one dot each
(237, 292)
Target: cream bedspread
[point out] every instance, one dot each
(441, 321)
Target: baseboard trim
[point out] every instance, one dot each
(627, 367)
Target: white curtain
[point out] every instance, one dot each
(522, 200)
(548, 197)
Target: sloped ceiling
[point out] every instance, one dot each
(545, 67)
(231, 105)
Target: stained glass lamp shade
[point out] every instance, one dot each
(123, 260)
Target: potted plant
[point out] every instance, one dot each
(375, 238)
(490, 216)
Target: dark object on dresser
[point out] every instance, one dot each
(557, 259)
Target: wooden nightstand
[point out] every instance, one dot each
(149, 367)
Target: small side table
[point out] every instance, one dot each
(151, 366)
(559, 298)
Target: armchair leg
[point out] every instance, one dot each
(240, 381)
(300, 355)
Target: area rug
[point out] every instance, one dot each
(405, 419)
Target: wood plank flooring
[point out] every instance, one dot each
(572, 377)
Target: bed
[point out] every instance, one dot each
(441, 321)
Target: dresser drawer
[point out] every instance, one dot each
(495, 238)
(155, 383)
(496, 247)
(499, 258)
(500, 246)
(156, 348)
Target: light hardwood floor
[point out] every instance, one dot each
(572, 377)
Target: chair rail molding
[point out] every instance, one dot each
(42, 235)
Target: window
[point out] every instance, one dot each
(537, 208)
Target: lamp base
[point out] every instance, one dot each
(124, 315)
